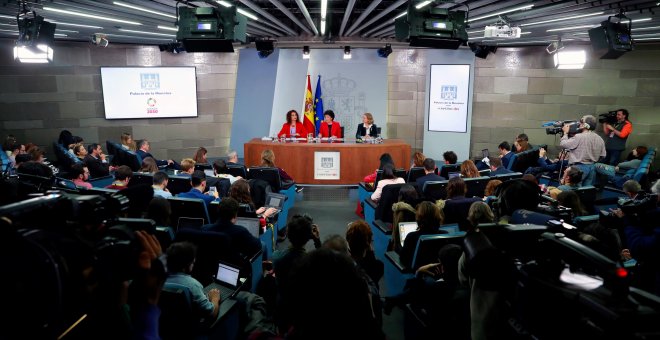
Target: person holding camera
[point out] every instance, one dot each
(585, 147)
(616, 136)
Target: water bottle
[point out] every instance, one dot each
(292, 131)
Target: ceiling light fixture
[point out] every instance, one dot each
(224, 3)
(347, 52)
(247, 14)
(9, 31)
(562, 19)
(570, 60)
(400, 15)
(322, 27)
(70, 31)
(500, 13)
(167, 28)
(324, 12)
(76, 25)
(148, 33)
(422, 4)
(91, 16)
(135, 37)
(645, 28)
(143, 9)
(570, 28)
(40, 55)
(643, 39)
(7, 16)
(306, 52)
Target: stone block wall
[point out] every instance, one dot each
(38, 101)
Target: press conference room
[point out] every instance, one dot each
(462, 170)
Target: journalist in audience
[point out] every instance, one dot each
(418, 159)
(96, 161)
(360, 239)
(586, 148)
(123, 174)
(241, 239)
(571, 179)
(622, 169)
(450, 157)
(385, 158)
(160, 211)
(429, 174)
(127, 142)
(505, 153)
(143, 150)
(187, 167)
(496, 167)
(570, 199)
(480, 213)
(491, 187)
(232, 157)
(403, 211)
(268, 160)
(160, 181)
(429, 218)
(388, 178)
(80, 151)
(198, 183)
(200, 156)
(469, 170)
(80, 176)
(221, 170)
(240, 191)
(148, 166)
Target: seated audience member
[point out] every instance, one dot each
(65, 139)
(300, 229)
(570, 199)
(403, 211)
(198, 183)
(160, 211)
(240, 191)
(531, 178)
(149, 166)
(388, 178)
(241, 239)
(522, 143)
(180, 261)
(632, 188)
(187, 167)
(418, 159)
(160, 185)
(436, 290)
(611, 171)
(480, 213)
(469, 170)
(96, 161)
(505, 153)
(496, 167)
(385, 158)
(429, 218)
(127, 142)
(232, 157)
(200, 156)
(546, 165)
(450, 157)
(329, 128)
(457, 205)
(80, 176)
(329, 299)
(79, 151)
(293, 127)
(367, 129)
(221, 170)
(491, 187)
(123, 174)
(571, 179)
(22, 158)
(360, 239)
(268, 160)
(429, 170)
(517, 194)
(143, 148)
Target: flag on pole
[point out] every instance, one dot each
(318, 105)
(308, 121)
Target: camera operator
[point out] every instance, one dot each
(585, 147)
(617, 135)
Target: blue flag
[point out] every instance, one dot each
(318, 106)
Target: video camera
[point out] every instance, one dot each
(554, 128)
(609, 117)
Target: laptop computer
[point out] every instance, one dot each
(227, 280)
(190, 222)
(209, 173)
(406, 228)
(274, 200)
(253, 225)
(454, 174)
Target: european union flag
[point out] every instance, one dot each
(318, 106)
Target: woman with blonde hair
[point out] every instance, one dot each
(127, 141)
(429, 218)
(469, 170)
(200, 156)
(367, 129)
(268, 160)
(418, 159)
(149, 165)
(480, 212)
(80, 151)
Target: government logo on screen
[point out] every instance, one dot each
(449, 92)
(149, 81)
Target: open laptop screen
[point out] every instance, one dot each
(406, 228)
(227, 274)
(275, 201)
(251, 224)
(454, 174)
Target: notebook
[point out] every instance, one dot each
(274, 200)
(406, 228)
(251, 224)
(227, 280)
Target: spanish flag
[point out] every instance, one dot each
(308, 121)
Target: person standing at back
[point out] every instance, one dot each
(616, 136)
(586, 148)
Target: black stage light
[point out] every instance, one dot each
(264, 48)
(385, 51)
(347, 52)
(305, 52)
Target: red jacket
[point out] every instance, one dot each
(300, 130)
(336, 130)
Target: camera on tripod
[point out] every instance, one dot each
(609, 117)
(554, 128)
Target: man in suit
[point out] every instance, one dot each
(95, 161)
(505, 153)
(241, 238)
(143, 151)
(496, 167)
(429, 170)
(198, 182)
(232, 157)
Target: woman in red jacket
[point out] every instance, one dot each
(293, 127)
(330, 128)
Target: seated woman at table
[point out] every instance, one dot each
(293, 126)
(367, 128)
(268, 160)
(330, 128)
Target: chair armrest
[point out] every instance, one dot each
(385, 227)
(372, 203)
(394, 258)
